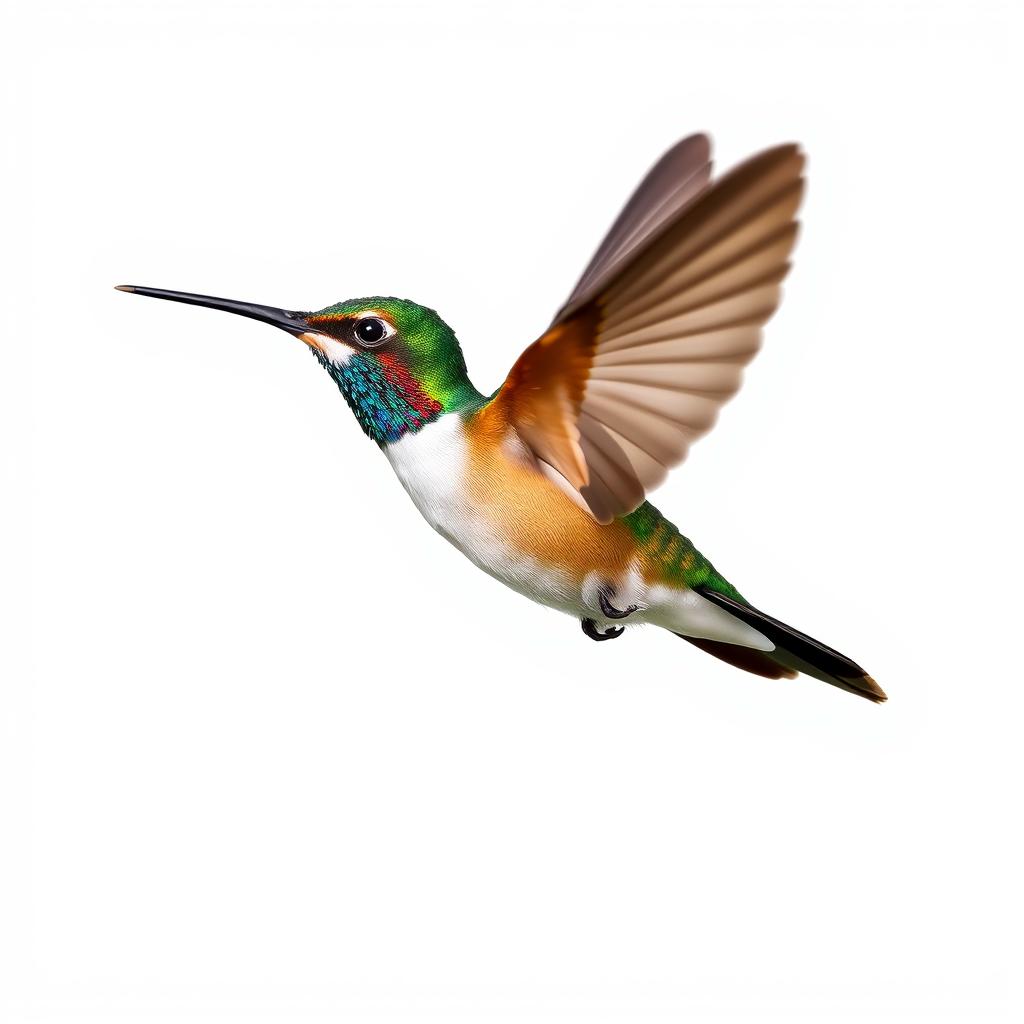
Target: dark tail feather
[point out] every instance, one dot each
(746, 658)
(794, 652)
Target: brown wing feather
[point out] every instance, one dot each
(543, 393)
(655, 337)
(671, 184)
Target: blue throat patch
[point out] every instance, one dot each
(388, 405)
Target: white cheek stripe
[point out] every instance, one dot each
(336, 351)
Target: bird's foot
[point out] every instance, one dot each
(590, 628)
(608, 610)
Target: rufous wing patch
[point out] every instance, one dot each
(543, 392)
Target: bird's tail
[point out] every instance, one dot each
(794, 651)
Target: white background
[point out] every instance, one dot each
(272, 751)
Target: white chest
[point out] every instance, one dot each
(433, 466)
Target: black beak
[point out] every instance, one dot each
(294, 323)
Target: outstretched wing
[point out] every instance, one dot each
(654, 338)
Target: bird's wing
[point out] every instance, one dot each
(655, 336)
(677, 178)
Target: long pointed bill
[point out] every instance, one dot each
(294, 323)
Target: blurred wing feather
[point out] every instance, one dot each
(654, 338)
(671, 184)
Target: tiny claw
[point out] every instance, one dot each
(609, 611)
(590, 628)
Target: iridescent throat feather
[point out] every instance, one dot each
(387, 400)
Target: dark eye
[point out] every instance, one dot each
(371, 331)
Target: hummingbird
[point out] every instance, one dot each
(543, 484)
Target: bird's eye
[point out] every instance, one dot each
(371, 331)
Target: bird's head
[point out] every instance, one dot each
(398, 364)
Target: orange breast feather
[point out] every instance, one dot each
(535, 515)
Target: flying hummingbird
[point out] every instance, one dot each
(542, 484)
